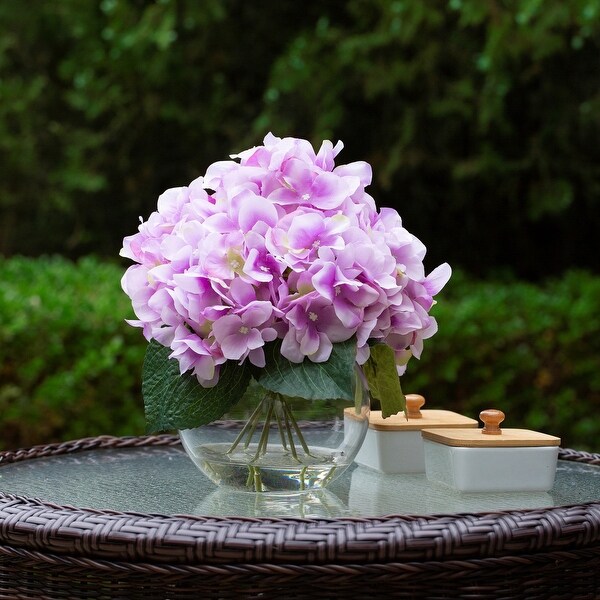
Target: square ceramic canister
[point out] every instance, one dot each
(491, 459)
(394, 445)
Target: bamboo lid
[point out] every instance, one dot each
(490, 436)
(418, 419)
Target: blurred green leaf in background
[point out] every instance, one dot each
(479, 118)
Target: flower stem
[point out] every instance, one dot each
(254, 480)
(264, 436)
(290, 437)
(303, 478)
(276, 410)
(252, 422)
(280, 426)
(292, 420)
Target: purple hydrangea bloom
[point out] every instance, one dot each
(278, 242)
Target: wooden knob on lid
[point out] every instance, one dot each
(413, 406)
(491, 421)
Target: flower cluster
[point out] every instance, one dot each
(280, 245)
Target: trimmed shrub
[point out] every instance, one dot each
(531, 351)
(69, 364)
(71, 367)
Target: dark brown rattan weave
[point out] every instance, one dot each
(51, 551)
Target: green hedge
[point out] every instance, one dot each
(70, 365)
(532, 351)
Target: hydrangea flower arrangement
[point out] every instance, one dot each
(277, 267)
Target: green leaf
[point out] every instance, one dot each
(384, 383)
(312, 381)
(174, 401)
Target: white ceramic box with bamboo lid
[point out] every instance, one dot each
(491, 459)
(395, 445)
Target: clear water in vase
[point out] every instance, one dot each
(282, 445)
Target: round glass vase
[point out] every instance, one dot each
(281, 444)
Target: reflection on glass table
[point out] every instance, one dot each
(162, 480)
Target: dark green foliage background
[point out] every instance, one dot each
(481, 119)
(71, 366)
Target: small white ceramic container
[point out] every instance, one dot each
(394, 445)
(491, 459)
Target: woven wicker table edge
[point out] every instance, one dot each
(33, 525)
(402, 570)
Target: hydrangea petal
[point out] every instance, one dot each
(290, 348)
(234, 346)
(323, 351)
(253, 209)
(437, 279)
(329, 191)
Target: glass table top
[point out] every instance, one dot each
(163, 480)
